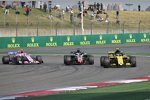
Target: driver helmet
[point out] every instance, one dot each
(117, 48)
(21, 51)
(78, 50)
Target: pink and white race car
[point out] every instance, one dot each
(21, 58)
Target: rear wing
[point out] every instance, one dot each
(12, 53)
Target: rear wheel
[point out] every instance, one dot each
(67, 60)
(5, 60)
(106, 62)
(39, 58)
(133, 61)
(90, 59)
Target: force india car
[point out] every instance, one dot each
(117, 60)
(78, 59)
(21, 58)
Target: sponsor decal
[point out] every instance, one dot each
(32, 44)
(116, 40)
(68, 42)
(51, 43)
(101, 41)
(131, 39)
(85, 41)
(145, 39)
(13, 44)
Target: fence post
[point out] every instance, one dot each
(139, 27)
(16, 25)
(37, 26)
(123, 27)
(16, 29)
(4, 20)
(91, 28)
(74, 28)
(56, 28)
(107, 31)
(51, 26)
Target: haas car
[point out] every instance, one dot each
(117, 60)
(78, 59)
(21, 58)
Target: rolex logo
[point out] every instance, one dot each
(144, 35)
(85, 38)
(32, 39)
(100, 37)
(116, 37)
(68, 38)
(130, 36)
(13, 40)
(51, 39)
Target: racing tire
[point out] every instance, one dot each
(133, 61)
(18, 59)
(90, 60)
(5, 59)
(67, 60)
(106, 62)
(102, 60)
(39, 58)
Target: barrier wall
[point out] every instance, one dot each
(53, 41)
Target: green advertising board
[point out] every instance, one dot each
(71, 40)
(67, 41)
(144, 37)
(11, 42)
(50, 41)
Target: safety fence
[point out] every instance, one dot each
(73, 40)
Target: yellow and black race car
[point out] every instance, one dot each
(117, 60)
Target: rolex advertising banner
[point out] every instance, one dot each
(136, 38)
(32, 42)
(144, 37)
(131, 38)
(11, 42)
(108, 39)
(100, 39)
(71, 40)
(68, 41)
(50, 41)
(85, 40)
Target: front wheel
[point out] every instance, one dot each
(102, 60)
(106, 62)
(39, 58)
(133, 61)
(18, 60)
(91, 60)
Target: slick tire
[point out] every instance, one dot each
(106, 62)
(5, 59)
(39, 58)
(102, 60)
(133, 61)
(18, 59)
(91, 60)
(67, 60)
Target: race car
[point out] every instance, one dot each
(78, 58)
(21, 58)
(117, 60)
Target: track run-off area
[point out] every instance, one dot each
(54, 74)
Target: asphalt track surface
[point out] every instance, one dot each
(54, 74)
